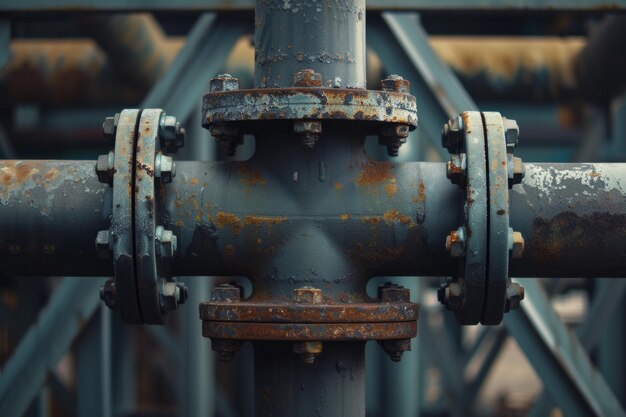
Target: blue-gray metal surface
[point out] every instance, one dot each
(29, 6)
(559, 358)
(5, 38)
(72, 303)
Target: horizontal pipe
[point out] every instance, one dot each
(378, 219)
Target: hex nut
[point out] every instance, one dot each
(516, 170)
(395, 348)
(308, 131)
(308, 350)
(393, 137)
(453, 296)
(456, 169)
(164, 168)
(226, 348)
(166, 242)
(103, 247)
(308, 295)
(228, 137)
(109, 127)
(226, 293)
(108, 294)
(307, 78)
(395, 83)
(105, 168)
(511, 132)
(516, 244)
(224, 82)
(391, 293)
(514, 296)
(172, 294)
(453, 136)
(455, 242)
(171, 134)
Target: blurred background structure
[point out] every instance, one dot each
(557, 67)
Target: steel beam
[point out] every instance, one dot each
(65, 6)
(72, 304)
(559, 358)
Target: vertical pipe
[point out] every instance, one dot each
(333, 386)
(327, 36)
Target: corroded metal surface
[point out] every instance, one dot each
(308, 103)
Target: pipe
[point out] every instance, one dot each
(601, 67)
(380, 218)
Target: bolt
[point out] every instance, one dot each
(228, 137)
(395, 83)
(393, 136)
(515, 170)
(223, 82)
(455, 243)
(104, 168)
(166, 242)
(164, 168)
(172, 294)
(450, 295)
(308, 132)
(456, 169)
(171, 134)
(452, 135)
(109, 127)
(307, 78)
(226, 293)
(308, 351)
(395, 348)
(514, 296)
(308, 295)
(390, 293)
(103, 247)
(516, 244)
(511, 132)
(226, 348)
(108, 294)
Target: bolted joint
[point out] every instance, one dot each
(393, 136)
(516, 244)
(223, 82)
(395, 83)
(171, 134)
(308, 351)
(452, 135)
(391, 293)
(514, 296)
(109, 128)
(105, 168)
(172, 294)
(455, 242)
(108, 294)
(165, 241)
(308, 295)
(515, 170)
(395, 348)
(164, 168)
(511, 132)
(103, 244)
(450, 295)
(226, 348)
(308, 131)
(226, 293)
(307, 78)
(228, 137)
(456, 169)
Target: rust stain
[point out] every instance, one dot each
(376, 173)
(372, 219)
(261, 220)
(345, 217)
(249, 175)
(194, 181)
(338, 186)
(229, 250)
(421, 194)
(594, 174)
(179, 223)
(224, 219)
(391, 189)
(394, 215)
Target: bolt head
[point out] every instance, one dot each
(511, 132)
(104, 168)
(308, 295)
(515, 170)
(307, 78)
(171, 134)
(224, 82)
(455, 243)
(456, 169)
(308, 131)
(394, 293)
(308, 351)
(109, 127)
(226, 348)
(226, 293)
(395, 83)
(103, 247)
(395, 348)
(166, 242)
(514, 296)
(164, 168)
(516, 244)
(453, 136)
(108, 294)
(451, 295)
